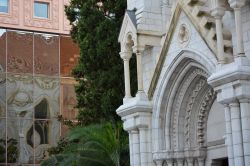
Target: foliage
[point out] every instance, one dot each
(95, 145)
(12, 151)
(96, 25)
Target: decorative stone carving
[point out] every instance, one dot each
(20, 98)
(51, 23)
(25, 79)
(46, 83)
(13, 16)
(183, 35)
(179, 100)
(189, 111)
(203, 116)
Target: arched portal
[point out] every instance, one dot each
(181, 110)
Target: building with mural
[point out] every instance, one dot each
(36, 59)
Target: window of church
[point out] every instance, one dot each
(4, 6)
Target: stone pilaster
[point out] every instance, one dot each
(229, 139)
(237, 134)
(245, 123)
(232, 84)
(136, 148)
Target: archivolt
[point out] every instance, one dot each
(181, 106)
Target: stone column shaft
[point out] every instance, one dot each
(139, 71)
(239, 34)
(218, 11)
(245, 121)
(127, 79)
(126, 57)
(220, 43)
(237, 134)
(229, 141)
(131, 148)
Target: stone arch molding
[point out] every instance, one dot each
(182, 102)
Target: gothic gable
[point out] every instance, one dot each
(188, 30)
(128, 27)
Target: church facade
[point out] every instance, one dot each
(192, 107)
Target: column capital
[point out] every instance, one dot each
(234, 104)
(133, 131)
(126, 55)
(236, 3)
(138, 48)
(217, 9)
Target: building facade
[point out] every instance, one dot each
(36, 85)
(192, 107)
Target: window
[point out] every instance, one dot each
(41, 9)
(4, 6)
(38, 133)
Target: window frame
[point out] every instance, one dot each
(48, 9)
(8, 8)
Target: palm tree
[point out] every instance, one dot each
(95, 145)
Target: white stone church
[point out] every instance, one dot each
(192, 107)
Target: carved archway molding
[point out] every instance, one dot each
(183, 101)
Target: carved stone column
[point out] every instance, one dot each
(218, 12)
(126, 57)
(237, 5)
(237, 134)
(229, 139)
